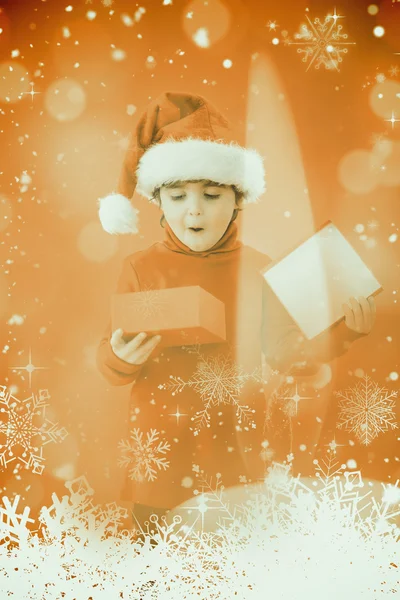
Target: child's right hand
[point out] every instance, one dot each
(136, 351)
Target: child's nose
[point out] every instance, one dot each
(194, 210)
(195, 205)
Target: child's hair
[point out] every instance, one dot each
(238, 198)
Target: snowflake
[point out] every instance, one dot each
(78, 515)
(142, 456)
(147, 303)
(323, 42)
(381, 77)
(272, 25)
(367, 410)
(13, 525)
(209, 501)
(218, 380)
(26, 430)
(107, 3)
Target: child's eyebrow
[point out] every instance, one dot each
(179, 184)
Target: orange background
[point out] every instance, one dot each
(60, 268)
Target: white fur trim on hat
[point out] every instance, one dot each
(201, 159)
(117, 215)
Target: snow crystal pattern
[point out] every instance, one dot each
(143, 456)
(321, 43)
(13, 525)
(218, 380)
(148, 303)
(367, 410)
(209, 500)
(78, 515)
(25, 430)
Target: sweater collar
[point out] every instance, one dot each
(227, 243)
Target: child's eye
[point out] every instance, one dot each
(206, 195)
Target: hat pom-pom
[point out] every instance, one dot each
(117, 215)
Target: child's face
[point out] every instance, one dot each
(198, 204)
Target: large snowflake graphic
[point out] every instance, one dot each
(218, 380)
(143, 456)
(321, 43)
(25, 430)
(366, 410)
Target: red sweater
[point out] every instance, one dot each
(217, 384)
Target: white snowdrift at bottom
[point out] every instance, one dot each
(289, 542)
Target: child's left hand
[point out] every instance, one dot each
(361, 314)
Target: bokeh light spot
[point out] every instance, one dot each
(372, 9)
(390, 171)
(65, 100)
(95, 244)
(206, 23)
(384, 99)
(379, 31)
(356, 172)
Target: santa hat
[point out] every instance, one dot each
(180, 136)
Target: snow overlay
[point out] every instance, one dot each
(290, 540)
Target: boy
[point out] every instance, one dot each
(209, 416)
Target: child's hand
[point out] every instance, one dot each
(134, 352)
(361, 314)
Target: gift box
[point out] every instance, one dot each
(315, 278)
(182, 316)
